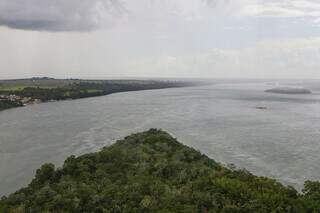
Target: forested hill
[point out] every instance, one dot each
(153, 172)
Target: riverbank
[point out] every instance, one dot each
(17, 93)
(153, 172)
(222, 123)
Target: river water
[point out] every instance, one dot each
(220, 120)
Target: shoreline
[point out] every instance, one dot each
(93, 96)
(34, 94)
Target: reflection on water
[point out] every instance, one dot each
(222, 121)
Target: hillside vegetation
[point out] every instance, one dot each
(153, 172)
(7, 104)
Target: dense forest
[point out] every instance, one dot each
(153, 172)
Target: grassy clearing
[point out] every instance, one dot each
(20, 84)
(93, 90)
(21, 87)
(11, 88)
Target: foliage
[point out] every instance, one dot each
(84, 89)
(7, 104)
(153, 172)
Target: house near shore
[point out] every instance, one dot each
(17, 98)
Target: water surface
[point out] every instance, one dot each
(221, 121)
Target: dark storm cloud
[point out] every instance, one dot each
(72, 15)
(59, 15)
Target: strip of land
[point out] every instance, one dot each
(22, 92)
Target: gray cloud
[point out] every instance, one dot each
(59, 15)
(88, 15)
(164, 38)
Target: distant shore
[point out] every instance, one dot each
(22, 92)
(289, 90)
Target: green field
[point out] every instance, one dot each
(21, 87)
(20, 84)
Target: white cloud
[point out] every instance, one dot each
(282, 8)
(267, 59)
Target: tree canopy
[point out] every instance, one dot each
(153, 172)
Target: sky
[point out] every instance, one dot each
(160, 38)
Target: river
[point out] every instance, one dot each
(221, 120)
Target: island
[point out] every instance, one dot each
(289, 90)
(22, 92)
(262, 107)
(153, 172)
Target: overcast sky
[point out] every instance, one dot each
(160, 38)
